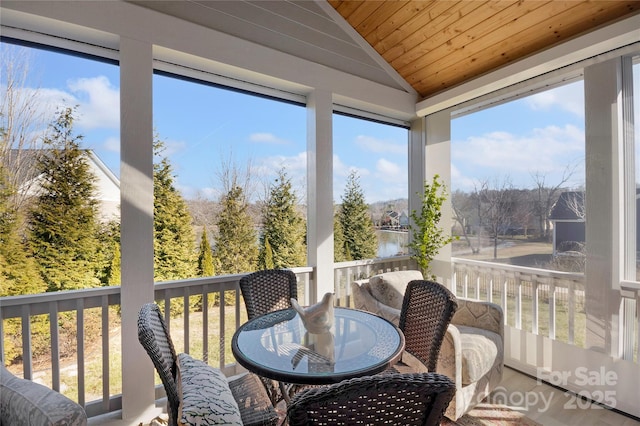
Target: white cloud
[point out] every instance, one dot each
(569, 98)
(172, 147)
(369, 143)
(269, 166)
(112, 144)
(267, 138)
(388, 171)
(546, 150)
(99, 102)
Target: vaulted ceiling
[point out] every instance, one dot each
(425, 46)
(436, 44)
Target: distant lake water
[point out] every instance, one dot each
(391, 243)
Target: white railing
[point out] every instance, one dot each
(93, 316)
(536, 300)
(545, 302)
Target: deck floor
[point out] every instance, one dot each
(550, 406)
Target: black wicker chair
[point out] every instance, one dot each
(255, 406)
(426, 312)
(400, 399)
(267, 291)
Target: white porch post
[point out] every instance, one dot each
(136, 198)
(437, 160)
(604, 129)
(417, 162)
(320, 191)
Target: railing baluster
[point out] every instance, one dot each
(205, 325)
(518, 282)
(106, 371)
(572, 312)
(552, 310)
(80, 350)
(27, 352)
(221, 336)
(535, 293)
(55, 346)
(185, 319)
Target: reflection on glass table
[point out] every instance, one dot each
(277, 346)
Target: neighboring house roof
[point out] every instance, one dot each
(569, 206)
(107, 185)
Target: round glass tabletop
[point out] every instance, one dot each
(278, 346)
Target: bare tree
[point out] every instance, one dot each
(461, 203)
(497, 201)
(575, 201)
(23, 121)
(546, 196)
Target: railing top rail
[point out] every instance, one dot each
(572, 276)
(55, 296)
(364, 262)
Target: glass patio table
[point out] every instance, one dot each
(277, 346)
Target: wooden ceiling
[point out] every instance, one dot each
(437, 44)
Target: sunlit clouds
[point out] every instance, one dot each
(546, 150)
(568, 98)
(372, 144)
(267, 138)
(99, 102)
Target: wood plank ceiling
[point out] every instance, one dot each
(437, 44)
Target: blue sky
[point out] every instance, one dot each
(204, 127)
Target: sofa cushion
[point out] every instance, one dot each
(205, 397)
(480, 350)
(389, 287)
(26, 403)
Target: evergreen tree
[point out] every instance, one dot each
(205, 257)
(18, 270)
(63, 219)
(283, 227)
(173, 248)
(357, 227)
(266, 257)
(114, 267)
(236, 248)
(339, 254)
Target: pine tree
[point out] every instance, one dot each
(114, 267)
(339, 254)
(205, 257)
(173, 245)
(236, 248)
(18, 270)
(359, 234)
(63, 219)
(266, 257)
(283, 227)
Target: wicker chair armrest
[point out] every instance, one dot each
(479, 314)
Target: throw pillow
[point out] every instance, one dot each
(205, 397)
(389, 287)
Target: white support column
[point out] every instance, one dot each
(136, 198)
(320, 191)
(604, 203)
(438, 161)
(417, 162)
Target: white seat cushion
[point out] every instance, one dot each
(480, 349)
